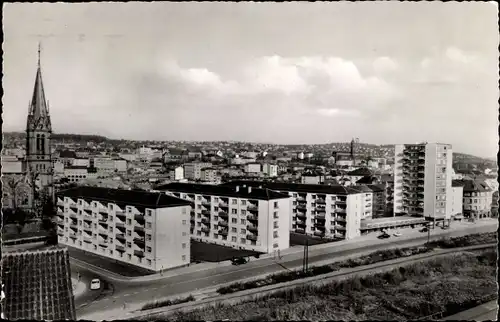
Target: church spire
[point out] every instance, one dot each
(38, 107)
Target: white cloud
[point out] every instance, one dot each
(383, 65)
(458, 56)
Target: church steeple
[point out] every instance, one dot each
(38, 116)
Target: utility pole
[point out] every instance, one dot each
(306, 256)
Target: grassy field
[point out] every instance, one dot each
(445, 284)
(206, 252)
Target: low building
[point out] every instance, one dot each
(78, 173)
(366, 201)
(457, 195)
(312, 178)
(477, 198)
(176, 173)
(81, 162)
(379, 200)
(325, 211)
(148, 230)
(245, 218)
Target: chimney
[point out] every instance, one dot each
(237, 188)
(249, 189)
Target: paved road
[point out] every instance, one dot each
(89, 295)
(126, 292)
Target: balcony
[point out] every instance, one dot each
(73, 216)
(60, 233)
(103, 210)
(120, 237)
(300, 199)
(87, 240)
(60, 203)
(139, 253)
(60, 223)
(224, 232)
(223, 223)
(205, 221)
(192, 220)
(341, 201)
(340, 227)
(340, 211)
(103, 222)
(223, 204)
(120, 249)
(301, 223)
(340, 219)
(103, 232)
(87, 228)
(205, 230)
(252, 228)
(205, 202)
(300, 231)
(339, 235)
(60, 213)
(223, 214)
(87, 218)
(73, 225)
(252, 218)
(103, 243)
(120, 226)
(141, 242)
(301, 215)
(139, 230)
(206, 212)
(73, 207)
(252, 208)
(252, 237)
(119, 212)
(319, 233)
(301, 207)
(320, 201)
(139, 218)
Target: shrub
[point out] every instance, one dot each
(157, 304)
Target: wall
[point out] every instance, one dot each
(430, 180)
(398, 178)
(170, 231)
(354, 210)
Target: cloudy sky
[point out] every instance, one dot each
(270, 72)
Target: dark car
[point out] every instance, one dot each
(424, 230)
(384, 236)
(239, 261)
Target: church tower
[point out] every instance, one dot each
(38, 133)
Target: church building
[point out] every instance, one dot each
(25, 181)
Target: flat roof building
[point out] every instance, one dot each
(239, 217)
(145, 229)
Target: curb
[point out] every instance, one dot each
(324, 278)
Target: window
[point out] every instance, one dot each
(149, 212)
(233, 230)
(276, 215)
(149, 262)
(199, 207)
(148, 237)
(234, 220)
(243, 212)
(129, 256)
(275, 234)
(243, 221)
(129, 233)
(183, 210)
(233, 239)
(184, 233)
(216, 199)
(243, 202)
(243, 240)
(234, 201)
(275, 246)
(183, 245)
(243, 231)
(111, 252)
(275, 204)
(129, 245)
(198, 198)
(183, 257)
(129, 222)
(234, 211)
(216, 208)
(276, 224)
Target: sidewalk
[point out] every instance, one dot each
(297, 251)
(209, 296)
(78, 287)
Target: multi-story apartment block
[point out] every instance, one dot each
(325, 211)
(192, 171)
(379, 199)
(366, 201)
(149, 230)
(477, 198)
(253, 168)
(270, 169)
(176, 173)
(422, 180)
(238, 217)
(209, 175)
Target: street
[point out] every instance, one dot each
(134, 292)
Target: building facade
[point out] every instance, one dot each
(320, 210)
(422, 180)
(192, 171)
(253, 168)
(477, 198)
(271, 170)
(148, 230)
(238, 217)
(209, 175)
(457, 196)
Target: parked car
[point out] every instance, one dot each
(424, 230)
(384, 236)
(95, 284)
(398, 234)
(239, 261)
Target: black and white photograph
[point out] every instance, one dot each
(250, 161)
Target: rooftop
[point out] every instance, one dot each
(222, 190)
(123, 197)
(360, 172)
(472, 185)
(295, 187)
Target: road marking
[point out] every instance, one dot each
(126, 295)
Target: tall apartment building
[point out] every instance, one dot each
(325, 211)
(192, 171)
(209, 175)
(422, 180)
(148, 230)
(244, 218)
(270, 169)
